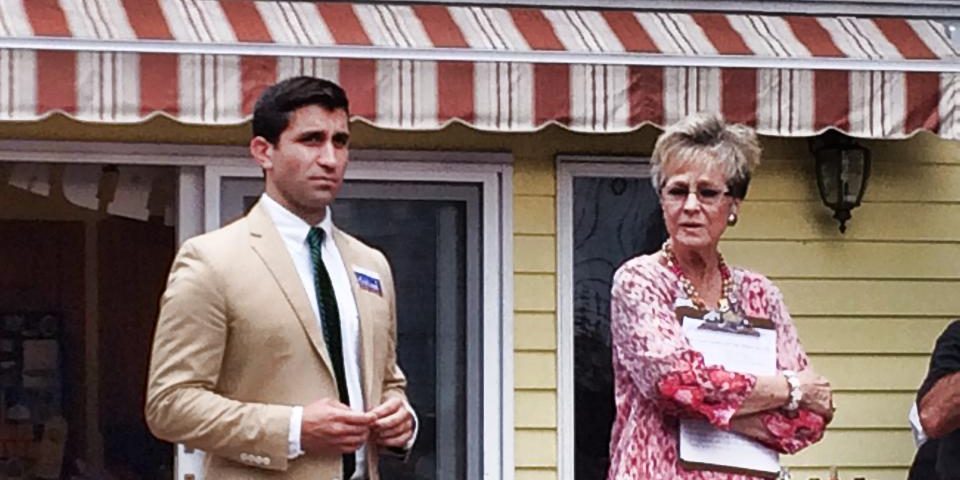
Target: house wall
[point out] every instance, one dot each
(868, 304)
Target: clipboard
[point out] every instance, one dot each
(755, 322)
(731, 470)
(692, 432)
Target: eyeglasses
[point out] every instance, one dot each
(678, 194)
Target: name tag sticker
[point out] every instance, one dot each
(368, 280)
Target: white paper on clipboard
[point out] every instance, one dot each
(704, 444)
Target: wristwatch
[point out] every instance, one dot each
(795, 393)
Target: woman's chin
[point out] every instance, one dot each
(691, 240)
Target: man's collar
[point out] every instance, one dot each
(289, 223)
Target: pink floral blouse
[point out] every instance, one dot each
(659, 377)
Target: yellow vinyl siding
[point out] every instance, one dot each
(539, 407)
(535, 313)
(879, 373)
(866, 410)
(871, 297)
(850, 473)
(534, 214)
(868, 304)
(535, 371)
(875, 334)
(818, 259)
(534, 292)
(542, 457)
(859, 448)
(809, 220)
(538, 254)
(532, 332)
(532, 473)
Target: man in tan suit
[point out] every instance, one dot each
(275, 350)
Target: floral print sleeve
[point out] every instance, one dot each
(792, 431)
(649, 343)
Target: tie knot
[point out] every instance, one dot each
(315, 238)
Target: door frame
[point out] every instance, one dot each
(497, 299)
(570, 167)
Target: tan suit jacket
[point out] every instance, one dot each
(237, 345)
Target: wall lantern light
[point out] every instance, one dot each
(843, 168)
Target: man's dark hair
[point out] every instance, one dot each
(271, 115)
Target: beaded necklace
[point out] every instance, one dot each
(726, 298)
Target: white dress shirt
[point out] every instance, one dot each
(919, 436)
(294, 230)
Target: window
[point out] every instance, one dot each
(441, 238)
(608, 214)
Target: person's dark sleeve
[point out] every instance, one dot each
(944, 360)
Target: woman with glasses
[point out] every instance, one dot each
(701, 169)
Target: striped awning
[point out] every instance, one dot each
(505, 69)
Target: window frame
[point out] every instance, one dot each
(497, 265)
(568, 168)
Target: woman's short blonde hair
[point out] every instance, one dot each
(706, 140)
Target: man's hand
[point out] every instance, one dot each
(330, 426)
(394, 424)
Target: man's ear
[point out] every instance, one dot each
(262, 151)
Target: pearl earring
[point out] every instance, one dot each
(732, 219)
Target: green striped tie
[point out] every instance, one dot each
(330, 320)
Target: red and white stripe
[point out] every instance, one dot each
(98, 19)
(407, 66)
(949, 106)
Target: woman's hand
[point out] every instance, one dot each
(752, 426)
(817, 394)
(782, 432)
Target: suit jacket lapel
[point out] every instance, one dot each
(351, 259)
(266, 242)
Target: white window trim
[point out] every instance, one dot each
(568, 168)
(494, 171)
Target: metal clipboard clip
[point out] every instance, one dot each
(727, 322)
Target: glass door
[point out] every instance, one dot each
(432, 233)
(608, 214)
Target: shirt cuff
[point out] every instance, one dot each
(416, 427)
(293, 438)
(919, 436)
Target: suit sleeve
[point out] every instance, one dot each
(182, 405)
